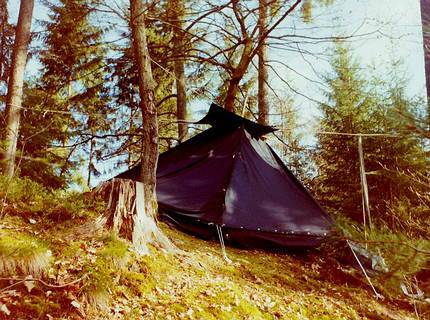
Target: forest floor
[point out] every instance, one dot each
(92, 275)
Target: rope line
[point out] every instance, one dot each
(378, 295)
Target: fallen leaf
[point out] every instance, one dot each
(29, 284)
(4, 309)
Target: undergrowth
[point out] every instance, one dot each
(407, 257)
(99, 276)
(28, 199)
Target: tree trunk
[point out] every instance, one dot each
(149, 152)
(145, 229)
(425, 20)
(3, 44)
(177, 13)
(15, 85)
(232, 90)
(237, 76)
(263, 108)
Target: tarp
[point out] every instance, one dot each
(228, 176)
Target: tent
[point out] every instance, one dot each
(228, 179)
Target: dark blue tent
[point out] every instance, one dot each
(227, 176)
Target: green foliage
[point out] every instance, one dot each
(395, 167)
(356, 105)
(289, 139)
(26, 198)
(71, 84)
(405, 256)
(308, 7)
(409, 218)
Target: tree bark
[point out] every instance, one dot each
(237, 75)
(149, 151)
(3, 44)
(425, 21)
(15, 84)
(177, 14)
(263, 107)
(250, 50)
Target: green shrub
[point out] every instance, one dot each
(405, 256)
(406, 217)
(27, 198)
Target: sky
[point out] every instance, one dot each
(389, 29)
(382, 29)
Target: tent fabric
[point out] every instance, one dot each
(224, 120)
(229, 177)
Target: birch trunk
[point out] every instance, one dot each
(15, 85)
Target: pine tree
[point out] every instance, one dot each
(346, 111)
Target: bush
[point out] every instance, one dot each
(26, 198)
(405, 256)
(406, 217)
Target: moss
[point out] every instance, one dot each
(137, 283)
(115, 251)
(21, 253)
(38, 306)
(199, 285)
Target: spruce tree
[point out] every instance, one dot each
(357, 105)
(346, 110)
(71, 84)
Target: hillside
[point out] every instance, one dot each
(95, 275)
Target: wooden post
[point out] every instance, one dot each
(363, 181)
